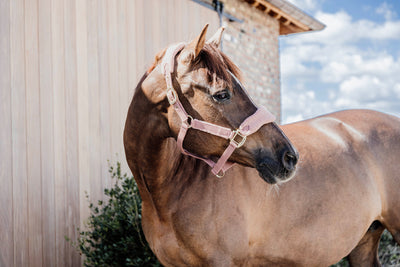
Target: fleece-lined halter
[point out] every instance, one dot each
(237, 137)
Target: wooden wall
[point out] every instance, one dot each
(67, 73)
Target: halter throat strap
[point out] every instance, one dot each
(237, 137)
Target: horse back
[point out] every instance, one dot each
(367, 139)
(362, 131)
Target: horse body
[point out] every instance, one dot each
(346, 179)
(344, 194)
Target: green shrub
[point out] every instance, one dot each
(389, 250)
(114, 236)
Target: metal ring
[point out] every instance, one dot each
(189, 121)
(220, 175)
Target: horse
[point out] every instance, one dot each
(302, 194)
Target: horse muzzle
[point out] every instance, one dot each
(277, 168)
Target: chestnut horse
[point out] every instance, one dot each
(344, 191)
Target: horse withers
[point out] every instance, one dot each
(332, 201)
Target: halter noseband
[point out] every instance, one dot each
(237, 137)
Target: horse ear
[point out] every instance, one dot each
(194, 47)
(215, 40)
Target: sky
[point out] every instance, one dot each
(353, 63)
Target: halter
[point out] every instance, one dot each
(237, 137)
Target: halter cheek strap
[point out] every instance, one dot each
(237, 137)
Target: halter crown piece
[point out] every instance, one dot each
(237, 137)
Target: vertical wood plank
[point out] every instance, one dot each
(60, 184)
(33, 134)
(197, 26)
(47, 133)
(19, 153)
(155, 11)
(185, 17)
(94, 102)
(169, 9)
(6, 175)
(83, 106)
(71, 119)
(104, 79)
(147, 24)
(133, 72)
(194, 11)
(205, 15)
(176, 11)
(164, 29)
(140, 38)
(123, 96)
(114, 127)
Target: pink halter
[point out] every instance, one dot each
(237, 137)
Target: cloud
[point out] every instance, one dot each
(362, 89)
(341, 29)
(347, 65)
(386, 10)
(300, 105)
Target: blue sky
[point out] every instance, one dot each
(353, 63)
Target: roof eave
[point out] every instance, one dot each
(291, 18)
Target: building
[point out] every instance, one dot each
(251, 40)
(68, 70)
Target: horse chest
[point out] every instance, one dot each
(196, 234)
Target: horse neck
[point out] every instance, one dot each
(159, 168)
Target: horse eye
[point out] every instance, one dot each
(222, 96)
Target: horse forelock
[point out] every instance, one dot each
(216, 62)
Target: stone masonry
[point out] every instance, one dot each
(253, 46)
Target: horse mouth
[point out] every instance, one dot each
(273, 172)
(271, 178)
(268, 176)
(267, 170)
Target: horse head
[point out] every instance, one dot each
(207, 85)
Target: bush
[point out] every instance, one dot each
(389, 250)
(114, 236)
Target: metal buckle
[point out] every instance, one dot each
(238, 143)
(173, 94)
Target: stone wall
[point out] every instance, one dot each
(253, 46)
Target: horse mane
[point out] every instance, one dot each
(209, 57)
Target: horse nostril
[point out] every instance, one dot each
(289, 160)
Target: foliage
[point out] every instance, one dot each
(114, 236)
(389, 252)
